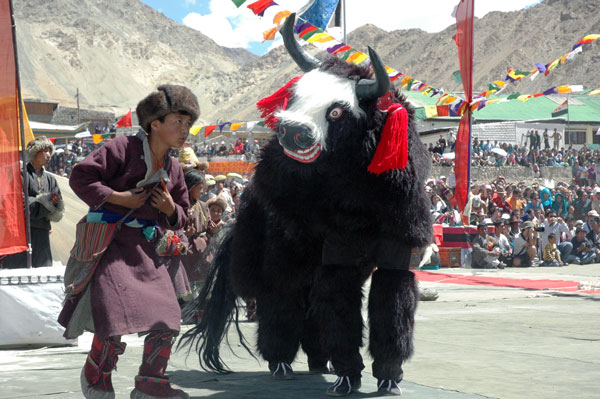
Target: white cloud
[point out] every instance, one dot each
(237, 27)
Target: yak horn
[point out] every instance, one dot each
(370, 89)
(305, 61)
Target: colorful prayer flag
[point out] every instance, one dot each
(431, 111)
(238, 3)
(318, 12)
(195, 129)
(209, 129)
(97, 138)
(259, 7)
(125, 121)
(269, 34)
(280, 15)
(236, 126)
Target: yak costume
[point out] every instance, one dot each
(132, 287)
(41, 210)
(338, 192)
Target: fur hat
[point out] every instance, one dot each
(187, 158)
(168, 99)
(38, 144)
(203, 165)
(218, 201)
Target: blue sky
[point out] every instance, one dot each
(239, 27)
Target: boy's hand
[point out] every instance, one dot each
(131, 199)
(162, 200)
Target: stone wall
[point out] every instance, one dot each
(511, 173)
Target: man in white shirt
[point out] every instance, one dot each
(552, 226)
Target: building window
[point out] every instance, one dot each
(595, 137)
(575, 137)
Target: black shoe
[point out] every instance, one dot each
(281, 371)
(388, 388)
(344, 386)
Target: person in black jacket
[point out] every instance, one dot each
(45, 205)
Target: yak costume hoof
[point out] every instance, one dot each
(388, 388)
(281, 371)
(344, 386)
(92, 393)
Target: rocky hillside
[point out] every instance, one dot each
(116, 51)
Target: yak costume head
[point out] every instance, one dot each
(335, 101)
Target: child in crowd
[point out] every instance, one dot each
(551, 252)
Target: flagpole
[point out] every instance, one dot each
(25, 179)
(344, 18)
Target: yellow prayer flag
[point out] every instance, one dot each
(564, 89)
(269, 34)
(280, 15)
(594, 92)
(320, 37)
(26, 126)
(405, 81)
(97, 138)
(431, 111)
(499, 83)
(195, 129)
(590, 37)
(524, 98)
(357, 57)
(236, 126)
(554, 64)
(493, 100)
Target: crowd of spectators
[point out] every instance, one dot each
(495, 153)
(528, 223)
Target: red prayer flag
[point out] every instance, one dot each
(125, 121)
(13, 234)
(464, 42)
(442, 110)
(259, 7)
(208, 130)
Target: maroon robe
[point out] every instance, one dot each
(131, 290)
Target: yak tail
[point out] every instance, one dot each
(218, 301)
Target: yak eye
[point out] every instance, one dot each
(335, 113)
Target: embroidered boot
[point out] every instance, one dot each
(152, 383)
(96, 373)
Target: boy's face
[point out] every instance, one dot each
(174, 130)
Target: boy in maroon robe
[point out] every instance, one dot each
(131, 290)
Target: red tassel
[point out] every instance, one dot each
(392, 150)
(277, 101)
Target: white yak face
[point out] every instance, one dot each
(319, 98)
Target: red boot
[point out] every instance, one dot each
(95, 377)
(152, 383)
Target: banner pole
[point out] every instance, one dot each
(25, 178)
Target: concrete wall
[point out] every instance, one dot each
(511, 173)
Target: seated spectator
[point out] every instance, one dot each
(583, 249)
(484, 256)
(551, 252)
(555, 226)
(524, 250)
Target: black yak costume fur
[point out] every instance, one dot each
(314, 224)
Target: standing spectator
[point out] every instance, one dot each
(538, 140)
(556, 136)
(546, 140)
(45, 205)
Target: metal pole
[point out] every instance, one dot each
(22, 128)
(344, 17)
(78, 116)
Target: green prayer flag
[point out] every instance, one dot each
(513, 96)
(238, 3)
(457, 77)
(492, 87)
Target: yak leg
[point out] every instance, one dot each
(392, 303)
(336, 303)
(280, 320)
(313, 346)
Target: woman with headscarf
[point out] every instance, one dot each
(560, 206)
(546, 199)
